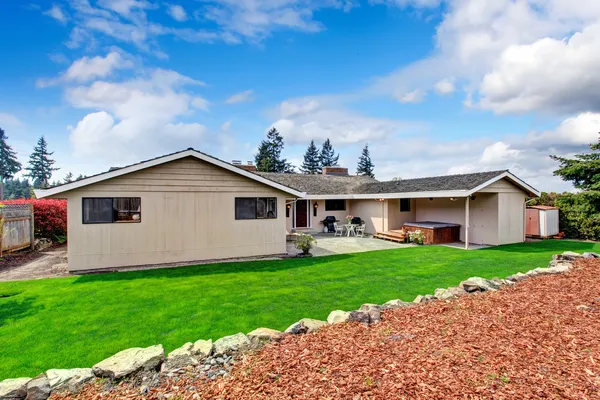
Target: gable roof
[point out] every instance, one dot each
(318, 184)
(115, 172)
(362, 187)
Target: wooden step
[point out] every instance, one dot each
(394, 236)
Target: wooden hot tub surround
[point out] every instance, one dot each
(435, 232)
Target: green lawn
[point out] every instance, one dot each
(78, 321)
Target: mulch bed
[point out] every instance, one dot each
(539, 339)
(9, 261)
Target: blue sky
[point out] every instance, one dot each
(434, 87)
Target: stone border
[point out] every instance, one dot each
(219, 356)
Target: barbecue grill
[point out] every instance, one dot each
(328, 222)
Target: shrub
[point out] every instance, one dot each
(305, 243)
(50, 217)
(417, 237)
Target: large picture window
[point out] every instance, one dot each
(106, 210)
(335, 205)
(255, 207)
(404, 205)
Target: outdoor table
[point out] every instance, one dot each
(350, 229)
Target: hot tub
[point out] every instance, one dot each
(435, 232)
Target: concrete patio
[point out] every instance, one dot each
(327, 245)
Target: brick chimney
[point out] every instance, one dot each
(248, 167)
(338, 171)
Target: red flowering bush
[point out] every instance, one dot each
(50, 217)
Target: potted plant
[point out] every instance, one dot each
(349, 218)
(305, 243)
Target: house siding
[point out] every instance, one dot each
(511, 217)
(187, 214)
(373, 212)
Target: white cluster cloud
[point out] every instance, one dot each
(416, 96)
(242, 97)
(177, 12)
(138, 118)
(57, 13)
(444, 87)
(86, 69)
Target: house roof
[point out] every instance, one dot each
(543, 207)
(362, 187)
(319, 184)
(115, 172)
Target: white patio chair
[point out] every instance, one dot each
(359, 231)
(339, 229)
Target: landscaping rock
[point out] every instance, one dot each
(202, 348)
(264, 335)
(450, 293)
(338, 316)
(14, 389)
(305, 325)
(68, 378)
(477, 284)
(181, 357)
(374, 312)
(128, 361)
(591, 255)
(518, 277)
(423, 299)
(41, 244)
(360, 316)
(396, 303)
(572, 254)
(38, 388)
(231, 344)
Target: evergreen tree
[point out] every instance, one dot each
(583, 170)
(312, 161)
(9, 165)
(40, 164)
(68, 178)
(16, 189)
(328, 156)
(365, 165)
(268, 158)
(80, 177)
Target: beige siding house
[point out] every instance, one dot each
(189, 206)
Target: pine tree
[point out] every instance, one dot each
(365, 165)
(583, 170)
(68, 178)
(9, 165)
(268, 158)
(328, 156)
(40, 164)
(312, 161)
(80, 177)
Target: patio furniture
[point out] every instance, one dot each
(329, 222)
(350, 229)
(338, 229)
(360, 230)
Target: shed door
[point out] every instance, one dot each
(301, 214)
(533, 222)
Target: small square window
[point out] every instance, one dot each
(404, 205)
(335, 205)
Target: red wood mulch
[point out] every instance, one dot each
(537, 340)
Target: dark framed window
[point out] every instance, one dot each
(404, 205)
(335, 205)
(255, 207)
(107, 210)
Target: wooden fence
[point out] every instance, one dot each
(16, 230)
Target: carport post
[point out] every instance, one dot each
(467, 201)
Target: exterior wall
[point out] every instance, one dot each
(483, 219)
(289, 221)
(322, 213)
(396, 218)
(372, 212)
(501, 186)
(187, 214)
(511, 217)
(442, 210)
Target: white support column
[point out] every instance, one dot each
(467, 201)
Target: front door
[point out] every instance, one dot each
(301, 214)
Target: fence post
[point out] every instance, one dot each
(32, 227)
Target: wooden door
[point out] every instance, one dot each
(301, 214)
(533, 222)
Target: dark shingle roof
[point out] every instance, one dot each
(319, 184)
(436, 183)
(353, 184)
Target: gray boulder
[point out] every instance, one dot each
(181, 357)
(68, 378)
(450, 293)
(477, 284)
(38, 388)
(374, 311)
(338, 316)
(591, 255)
(202, 348)
(232, 344)
(424, 299)
(518, 277)
(396, 303)
(264, 335)
(14, 389)
(305, 325)
(129, 361)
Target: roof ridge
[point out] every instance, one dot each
(499, 171)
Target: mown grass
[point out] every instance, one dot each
(78, 321)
